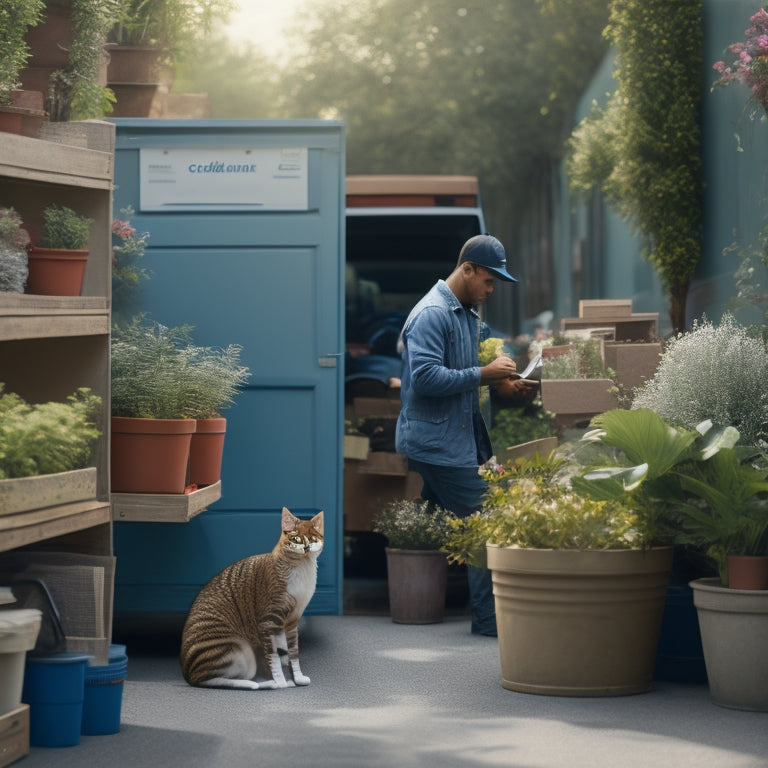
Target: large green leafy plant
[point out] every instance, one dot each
(694, 485)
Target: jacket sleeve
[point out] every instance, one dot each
(431, 344)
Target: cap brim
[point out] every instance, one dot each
(502, 274)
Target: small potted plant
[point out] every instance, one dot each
(215, 376)
(417, 569)
(13, 252)
(57, 261)
(162, 382)
(128, 271)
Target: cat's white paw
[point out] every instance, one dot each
(300, 679)
(268, 685)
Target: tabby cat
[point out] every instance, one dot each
(242, 629)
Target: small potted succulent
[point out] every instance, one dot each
(13, 252)
(417, 569)
(57, 261)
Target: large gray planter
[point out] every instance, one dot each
(734, 635)
(578, 623)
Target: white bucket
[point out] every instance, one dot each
(18, 634)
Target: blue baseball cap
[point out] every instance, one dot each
(486, 251)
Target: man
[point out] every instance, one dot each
(440, 428)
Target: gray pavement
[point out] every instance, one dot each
(385, 695)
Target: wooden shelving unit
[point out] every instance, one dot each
(51, 345)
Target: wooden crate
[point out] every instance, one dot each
(14, 735)
(28, 493)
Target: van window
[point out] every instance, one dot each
(393, 259)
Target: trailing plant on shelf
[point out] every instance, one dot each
(13, 252)
(63, 228)
(15, 19)
(413, 524)
(128, 272)
(45, 438)
(715, 372)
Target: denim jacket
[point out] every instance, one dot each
(440, 421)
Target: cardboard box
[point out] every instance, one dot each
(365, 494)
(356, 447)
(596, 309)
(384, 463)
(14, 735)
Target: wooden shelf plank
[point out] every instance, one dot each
(31, 527)
(30, 159)
(163, 508)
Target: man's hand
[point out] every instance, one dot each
(501, 368)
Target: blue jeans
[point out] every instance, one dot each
(461, 490)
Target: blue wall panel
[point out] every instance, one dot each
(271, 281)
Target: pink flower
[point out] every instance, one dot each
(745, 57)
(762, 41)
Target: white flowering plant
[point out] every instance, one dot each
(413, 524)
(747, 61)
(715, 372)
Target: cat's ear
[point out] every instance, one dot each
(317, 523)
(289, 520)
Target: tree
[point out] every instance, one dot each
(643, 149)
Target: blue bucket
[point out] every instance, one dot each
(54, 686)
(104, 694)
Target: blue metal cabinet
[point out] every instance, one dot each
(244, 261)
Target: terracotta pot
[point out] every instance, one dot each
(417, 582)
(578, 623)
(138, 99)
(748, 571)
(206, 451)
(133, 64)
(56, 272)
(150, 455)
